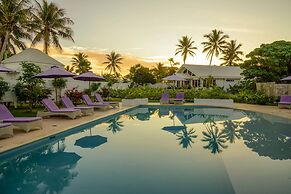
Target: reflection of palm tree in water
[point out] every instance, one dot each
(186, 137)
(115, 125)
(130, 117)
(231, 130)
(216, 139)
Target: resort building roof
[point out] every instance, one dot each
(34, 56)
(203, 71)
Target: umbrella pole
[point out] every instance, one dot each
(56, 90)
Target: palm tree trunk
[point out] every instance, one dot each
(45, 48)
(4, 46)
(211, 59)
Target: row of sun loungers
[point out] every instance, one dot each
(8, 122)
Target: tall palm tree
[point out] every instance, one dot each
(81, 63)
(185, 47)
(215, 44)
(14, 24)
(50, 24)
(159, 71)
(231, 54)
(113, 61)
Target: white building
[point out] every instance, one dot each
(196, 76)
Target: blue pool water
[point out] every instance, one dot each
(157, 150)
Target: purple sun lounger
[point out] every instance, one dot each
(25, 123)
(86, 110)
(285, 101)
(179, 98)
(101, 101)
(54, 110)
(6, 130)
(89, 102)
(165, 99)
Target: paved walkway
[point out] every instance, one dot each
(55, 125)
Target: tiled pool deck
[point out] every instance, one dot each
(55, 125)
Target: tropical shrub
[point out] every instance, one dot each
(244, 96)
(59, 83)
(4, 87)
(34, 96)
(74, 95)
(253, 97)
(155, 93)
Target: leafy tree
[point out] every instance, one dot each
(231, 54)
(50, 24)
(269, 62)
(59, 83)
(110, 78)
(80, 63)
(185, 47)
(215, 44)
(141, 75)
(159, 71)
(14, 24)
(29, 88)
(113, 60)
(4, 87)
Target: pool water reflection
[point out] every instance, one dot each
(161, 150)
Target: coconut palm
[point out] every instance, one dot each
(231, 54)
(216, 139)
(172, 62)
(186, 137)
(50, 24)
(113, 61)
(185, 47)
(215, 44)
(69, 68)
(14, 25)
(81, 63)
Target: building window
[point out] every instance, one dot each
(196, 83)
(230, 80)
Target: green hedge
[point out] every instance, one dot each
(248, 96)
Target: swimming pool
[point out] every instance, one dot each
(153, 149)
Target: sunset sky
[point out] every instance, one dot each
(146, 31)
